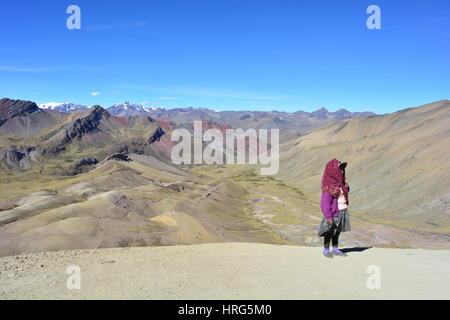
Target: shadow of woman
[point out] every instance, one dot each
(355, 249)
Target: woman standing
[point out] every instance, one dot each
(334, 205)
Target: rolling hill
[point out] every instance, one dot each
(90, 179)
(399, 168)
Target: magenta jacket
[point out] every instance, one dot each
(329, 206)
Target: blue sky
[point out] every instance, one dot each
(259, 55)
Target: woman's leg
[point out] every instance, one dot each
(326, 245)
(327, 240)
(335, 239)
(335, 243)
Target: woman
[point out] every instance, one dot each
(334, 205)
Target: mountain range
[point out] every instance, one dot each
(64, 107)
(291, 124)
(92, 179)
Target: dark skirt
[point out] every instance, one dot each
(341, 224)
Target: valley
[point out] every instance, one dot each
(94, 180)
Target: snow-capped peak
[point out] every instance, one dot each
(119, 109)
(154, 108)
(51, 105)
(64, 107)
(131, 109)
(126, 105)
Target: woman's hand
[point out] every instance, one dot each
(329, 221)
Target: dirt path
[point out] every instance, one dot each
(227, 271)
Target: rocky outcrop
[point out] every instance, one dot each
(12, 155)
(86, 162)
(16, 108)
(119, 157)
(156, 136)
(86, 125)
(16, 157)
(83, 165)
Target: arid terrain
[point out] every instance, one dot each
(227, 271)
(89, 179)
(197, 149)
(399, 168)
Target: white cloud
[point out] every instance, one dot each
(23, 69)
(95, 93)
(53, 69)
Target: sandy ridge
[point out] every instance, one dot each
(226, 271)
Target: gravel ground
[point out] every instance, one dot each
(226, 271)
